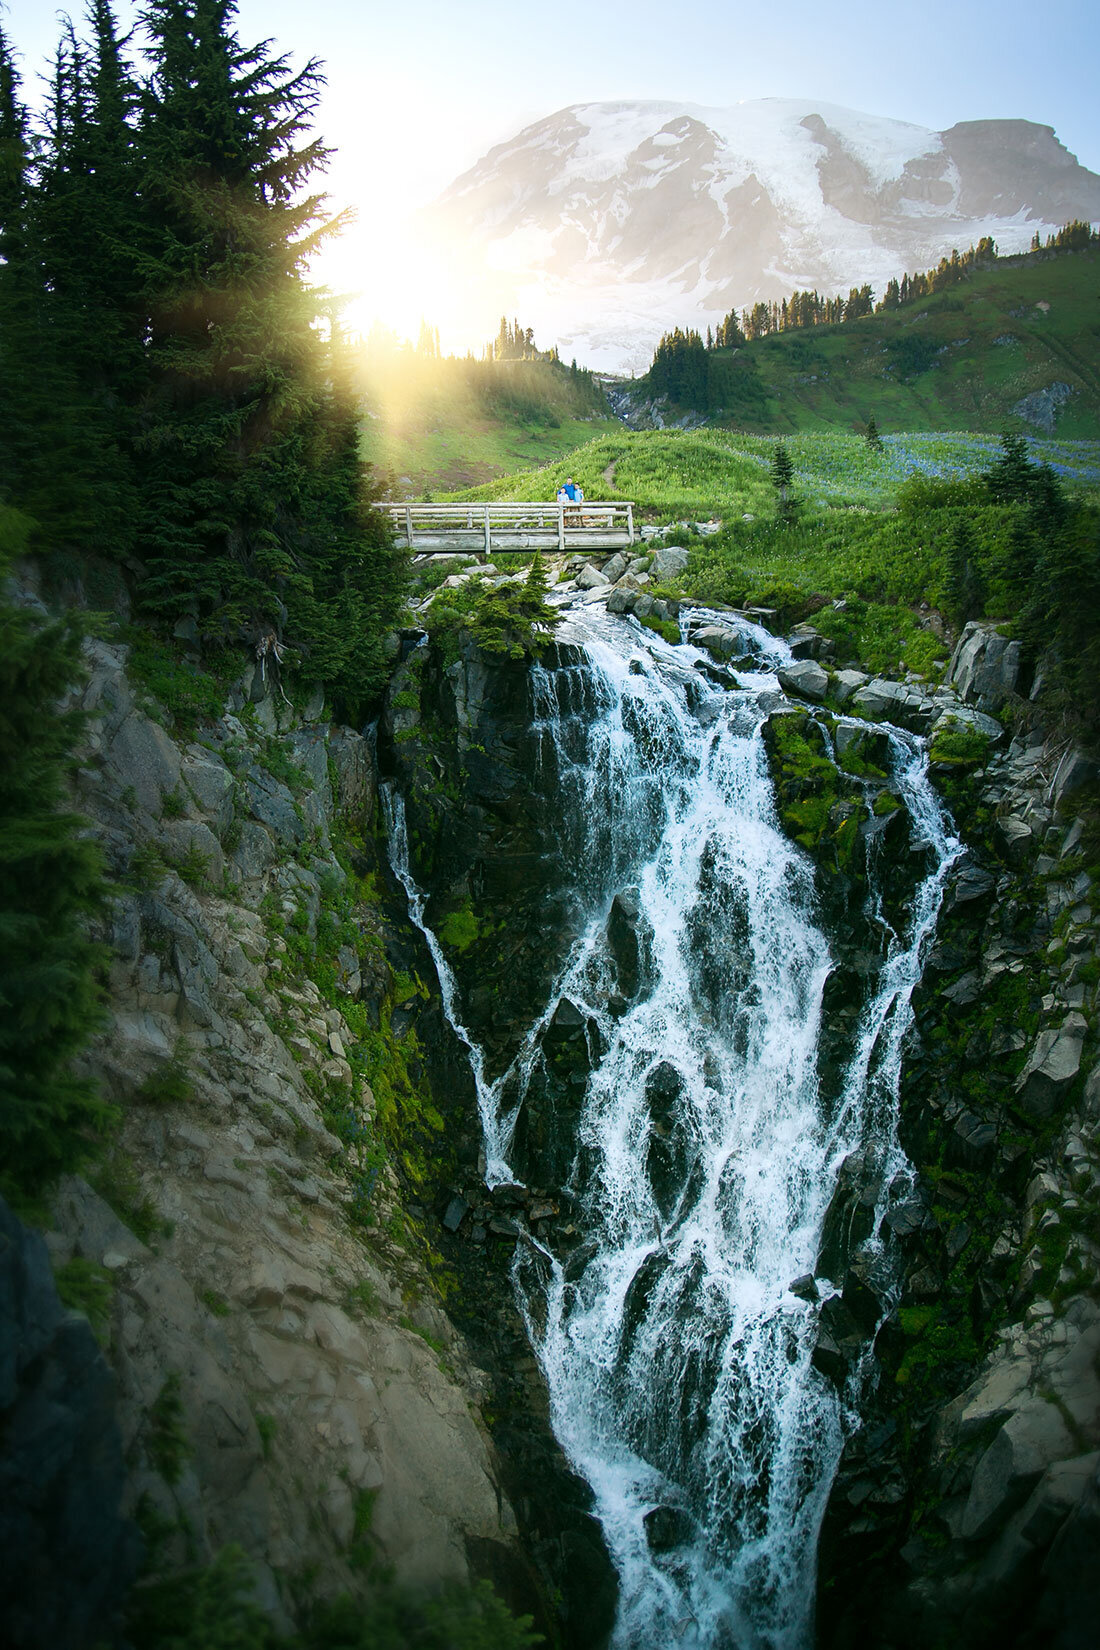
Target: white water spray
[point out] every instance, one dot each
(678, 1362)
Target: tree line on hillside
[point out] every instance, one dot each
(511, 380)
(690, 370)
(174, 396)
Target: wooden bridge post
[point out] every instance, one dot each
(561, 528)
(409, 526)
(630, 523)
(488, 535)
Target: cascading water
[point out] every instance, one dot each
(706, 1151)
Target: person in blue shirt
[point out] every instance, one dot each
(570, 490)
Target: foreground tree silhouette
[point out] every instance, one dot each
(256, 514)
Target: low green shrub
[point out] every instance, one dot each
(83, 1286)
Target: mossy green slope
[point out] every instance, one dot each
(436, 424)
(962, 359)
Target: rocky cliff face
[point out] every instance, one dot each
(284, 1373)
(965, 1505)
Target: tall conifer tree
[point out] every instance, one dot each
(241, 419)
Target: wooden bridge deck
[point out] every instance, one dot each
(483, 528)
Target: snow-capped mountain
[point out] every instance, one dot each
(609, 222)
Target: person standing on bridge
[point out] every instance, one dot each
(574, 495)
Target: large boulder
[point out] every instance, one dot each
(896, 702)
(590, 578)
(1028, 1443)
(807, 643)
(717, 640)
(1074, 773)
(804, 677)
(985, 667)
(669, 561)
(848, 682)
(1052, 1066)
(143, 763)
(965, 716)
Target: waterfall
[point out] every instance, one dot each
(706, 1152)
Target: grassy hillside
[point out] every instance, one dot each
(960, 360)
(442, 423)
(957, 362)
(697, 474)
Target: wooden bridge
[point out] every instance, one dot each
(483, 528)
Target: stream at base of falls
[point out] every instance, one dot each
(707, 1147)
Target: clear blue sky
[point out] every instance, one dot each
(444, 80)
(418, 89)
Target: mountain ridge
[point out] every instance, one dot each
(607, 223)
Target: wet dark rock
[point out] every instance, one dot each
(567, 1023)
(509, 1194)
(663, 1090)
(455, 1213)
(840, 1341)
(970, 883)
(804, 1287)
(861, 1301)
(667, 1528)
(627, 937)
(639, 1294)
(906, 1218)
(850, 1217)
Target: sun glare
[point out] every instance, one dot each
(412, 281)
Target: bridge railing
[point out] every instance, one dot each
(510, 526)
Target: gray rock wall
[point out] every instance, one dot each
(284, 1374)
(964, 1506)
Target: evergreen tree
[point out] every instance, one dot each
(18, 300)
(91, 224)
(974, 589)
(783, 479)
(872, 436)
(1020, 558)
(1010, 479)
(239, 424)
(49, 463)
(964, 586)
(50, 886)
